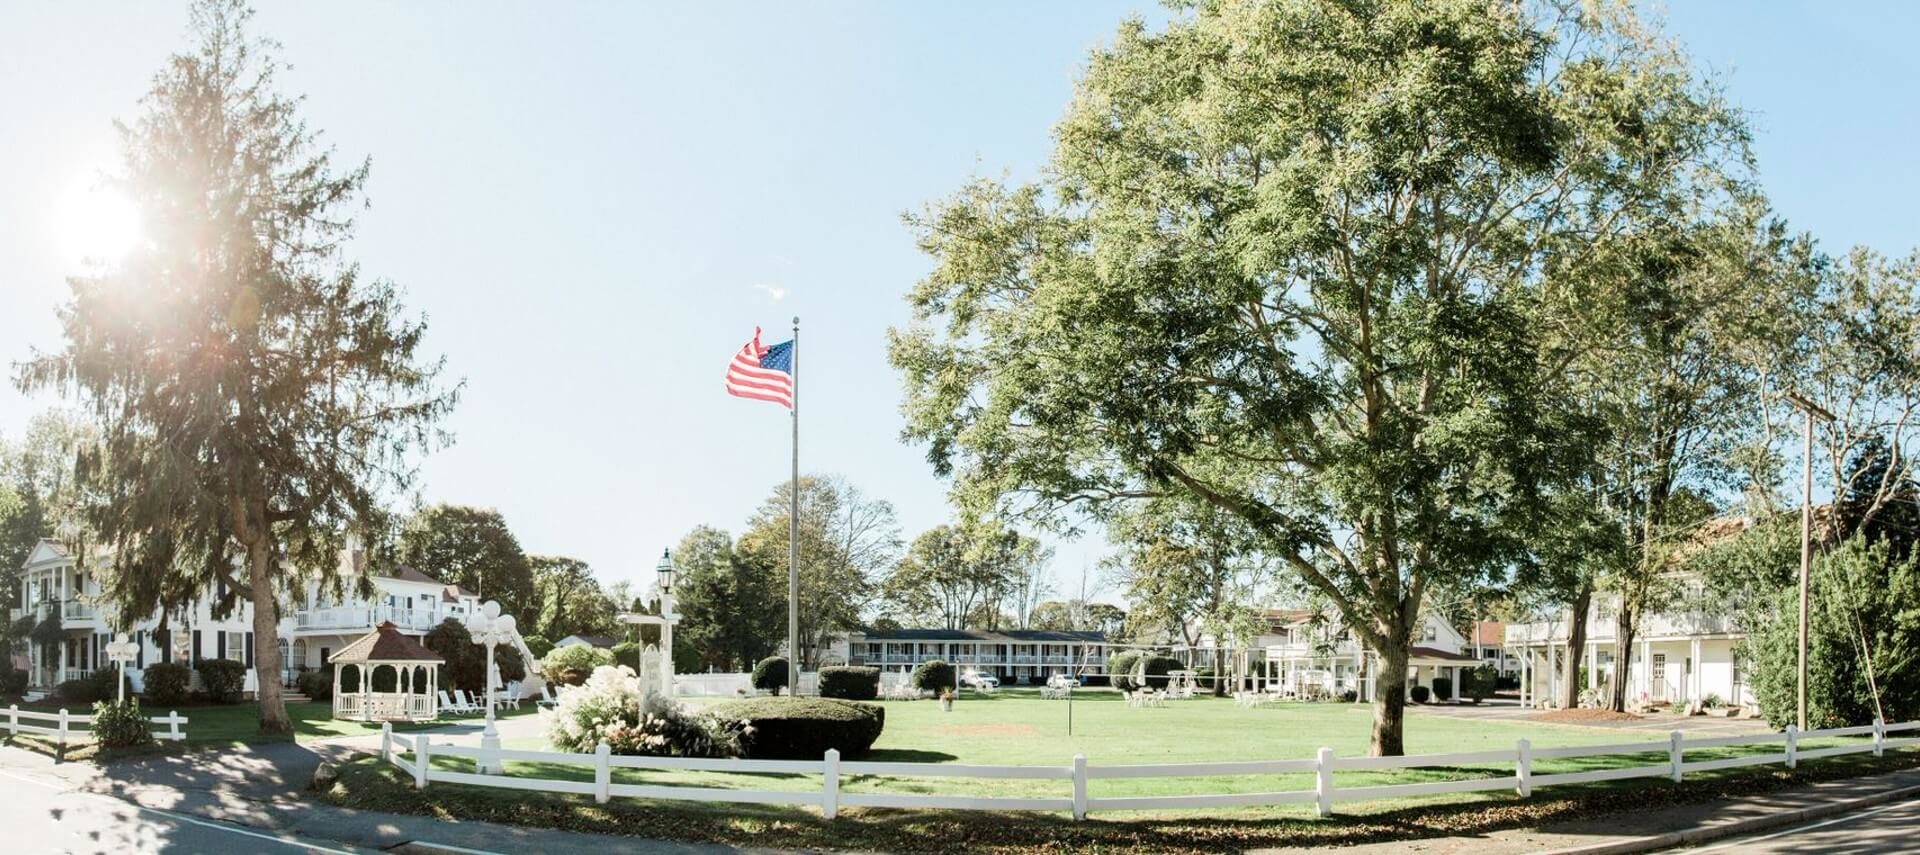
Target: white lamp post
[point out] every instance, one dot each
(120, 651)
(490, 628)
(668, 619)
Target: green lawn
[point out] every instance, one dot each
(1018, 728)
(220, 725)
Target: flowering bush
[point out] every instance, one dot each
(573, 663)
(610, 706)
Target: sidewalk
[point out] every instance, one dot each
(261, 787)
(1671, 826)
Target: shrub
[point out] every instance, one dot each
(934, 675)
(166, 683)
(538, 645)
(850, 682)
(103, 683)
(1157, 668)
(1420, 694)
(1349, 696)
(1442, 688)
(771, 674)
(48, 632)
(77, 692)
(801, 728)
(1205, 677)
(627, 653)
(222, 679)
(317, 685)
(13, 681)
(574, 663)
(1479, 683)
(1120, 669)
(609, 707)
(117, 725)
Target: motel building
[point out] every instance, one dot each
(1678, 657)
(1027, 656)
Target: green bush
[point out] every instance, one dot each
(166, 683)
(627, 653)
(934, 675)
(222, 680)
(538, 645)
(771, 674)
(1442, 688)
(572, 664)
(77, 692)
(850, 682)
(1479, 683)
(13, 682)
(1120, 669)
(118, 725)
(48, 633)
(1420, 694)
(1157, 668)
(103, 683)
(1349, 696)
(801, 728)
(317, 685)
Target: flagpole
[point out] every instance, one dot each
(793, 525)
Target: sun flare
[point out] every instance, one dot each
(96, 225)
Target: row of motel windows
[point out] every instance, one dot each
(1604, 659)
(877, 650)
(91, 652)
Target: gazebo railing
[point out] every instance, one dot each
(382, 706)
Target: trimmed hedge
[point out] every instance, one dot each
(934, 675)
(222, 679)
(317, 685)
(771, 674)
(801, 728)
(1120, 669)
(166, 683)
(1420, 694)
(77, 692)
(1157, 669)
(850, 682)
(13, 682)
(120, 725)
(103, 686)
(1442, 688)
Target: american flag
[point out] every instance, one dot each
(761, 372)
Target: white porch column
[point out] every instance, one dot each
(1694, 693)
(1646, 667)
(1453, 688)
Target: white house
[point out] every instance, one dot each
(311, 627)
(1678, 656)
(1306, 653)
(1012, 655)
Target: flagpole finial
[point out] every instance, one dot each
(796, 321)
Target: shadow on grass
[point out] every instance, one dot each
(908, 755)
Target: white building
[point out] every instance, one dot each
(1678, 656)
(311, 627)
(1028, 656)
(1307, 654)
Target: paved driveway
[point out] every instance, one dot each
(1888, 828)
(1696, 725)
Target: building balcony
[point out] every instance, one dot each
(75, 610)
(365, 617)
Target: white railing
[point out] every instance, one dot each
(367, 616)
(60, 725)
(1324, 794)
(76, 610)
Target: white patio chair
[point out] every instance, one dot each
(454, 704)
(546, 697)
(510, 697)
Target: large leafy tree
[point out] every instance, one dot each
(846, 540)
(732, 613)
(472, 547)
(1288, 262)
(253, 391)
(1194, 568)
(572, 602)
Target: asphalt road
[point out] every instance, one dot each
(40, 814)
(1893, 827)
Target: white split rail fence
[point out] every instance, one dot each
(394, 749)
(61, 725)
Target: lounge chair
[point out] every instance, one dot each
(453, 705)
(546, 696)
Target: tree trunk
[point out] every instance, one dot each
(1390, 701)
(266, 641)
(1622, 655)
(1576, 644)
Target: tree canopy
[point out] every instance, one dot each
(473, 548)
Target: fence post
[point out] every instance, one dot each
(173, 725)
(1079, 787)
(1676, 754)
(386, 742)
(422, 756)
(1523, 769)
(13, 719)
(830, 785)
(63, 727)
(1879, 735)
(1323, 781)
(1793, 747)
(602, 773)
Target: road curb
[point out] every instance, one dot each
(1737, 827)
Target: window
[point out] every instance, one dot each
(1429, 632)
(1736, 669)
(1659, 666)
(236, 647)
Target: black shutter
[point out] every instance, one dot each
(140, 648)
(219, 644)
(249, 650)
(196, 648)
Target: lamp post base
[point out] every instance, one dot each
(489, 760)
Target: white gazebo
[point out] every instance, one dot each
(412, 694)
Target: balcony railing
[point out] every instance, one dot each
(370, 616)
(76, 610)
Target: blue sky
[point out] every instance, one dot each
(592, 201)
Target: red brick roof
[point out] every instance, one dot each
(385, 644)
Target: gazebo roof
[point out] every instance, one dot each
(385, 644)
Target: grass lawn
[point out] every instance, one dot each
(1017, 727)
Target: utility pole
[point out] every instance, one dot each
(1811, 410)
